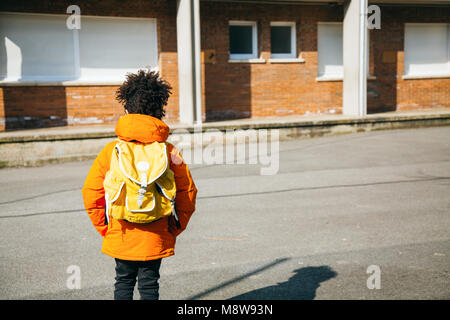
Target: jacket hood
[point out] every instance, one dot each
(141, 128)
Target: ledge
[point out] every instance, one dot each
(52, 145)
(246, 60)
(300, 121)
(324, 79)
(75, 83)
(430, 76)
(286, 60)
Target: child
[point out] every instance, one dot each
(139, 247)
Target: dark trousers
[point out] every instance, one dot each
(147, 275)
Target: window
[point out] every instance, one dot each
(427, 49)
(40, 48)
(282, 40)
(243, 40)
(111, 47)
(330, 50)
(36, 48)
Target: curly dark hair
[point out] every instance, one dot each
(144, 92)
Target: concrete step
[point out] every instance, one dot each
(50, 145)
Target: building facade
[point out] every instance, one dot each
(224, 59)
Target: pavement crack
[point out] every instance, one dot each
(322, 187)
(39, 196)
(42, 213)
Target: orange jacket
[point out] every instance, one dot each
(131, 241)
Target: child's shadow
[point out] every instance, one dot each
(301, 286)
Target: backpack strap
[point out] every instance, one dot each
(174, 213)
(172, 204)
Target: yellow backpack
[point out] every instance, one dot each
(139, 186)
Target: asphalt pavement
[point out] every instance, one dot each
(357, 216)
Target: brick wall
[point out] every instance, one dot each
(257, 90)
(240, 90)
(43, 106)
(235, 90)
(389, 92)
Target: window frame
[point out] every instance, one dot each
(407, 75)
(293, 53)
(241, 56)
